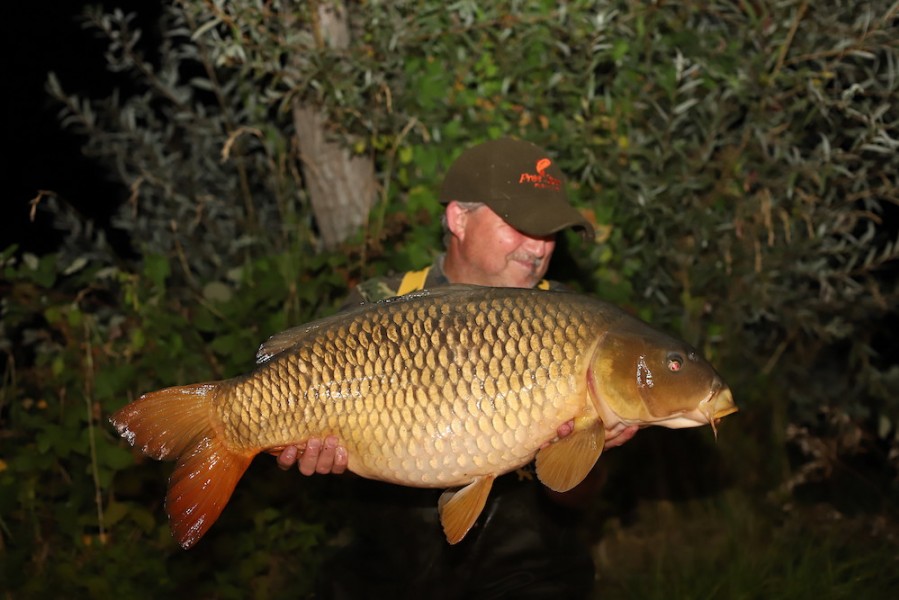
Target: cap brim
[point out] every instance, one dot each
(552, 219)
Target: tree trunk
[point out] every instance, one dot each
(342, 188)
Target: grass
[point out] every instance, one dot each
(733, 546)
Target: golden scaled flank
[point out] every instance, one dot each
(420, 397)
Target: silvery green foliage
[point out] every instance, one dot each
(83, 242)
(193, 146)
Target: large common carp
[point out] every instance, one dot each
(447, 388)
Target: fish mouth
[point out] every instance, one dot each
(718, 405)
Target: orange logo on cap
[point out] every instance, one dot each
(541, 179)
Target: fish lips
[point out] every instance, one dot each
(718, 404)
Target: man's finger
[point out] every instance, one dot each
(309, 459)
(326, 458)
(287, 458)
(340, 460)
(620, 438)
(565, 428)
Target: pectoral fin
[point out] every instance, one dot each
(460, 509)
(565, 463)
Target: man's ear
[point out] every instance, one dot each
(456, 219)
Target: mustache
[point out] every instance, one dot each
(535, 261)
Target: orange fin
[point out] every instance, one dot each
(566, 462)
(176, 424)
(200, 487)
(461, 508)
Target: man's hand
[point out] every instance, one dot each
(315, 456)
(614, 437)
(618, 435)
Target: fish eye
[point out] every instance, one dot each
(675, 362)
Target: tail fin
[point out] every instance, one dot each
(176, 424)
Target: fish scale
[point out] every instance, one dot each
(443, 388)
(367, 380)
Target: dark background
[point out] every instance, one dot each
(41, 36)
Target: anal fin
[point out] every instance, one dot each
(566, 462)
(461, 508)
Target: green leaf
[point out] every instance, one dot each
(113, 456)
(156, 269)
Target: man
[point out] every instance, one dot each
(505, 202)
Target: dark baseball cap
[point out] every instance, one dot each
(519, 182)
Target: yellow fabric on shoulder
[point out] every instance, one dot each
(413, 281)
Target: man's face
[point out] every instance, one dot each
(485, 250)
